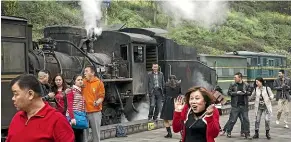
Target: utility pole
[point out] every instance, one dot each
(106, 3)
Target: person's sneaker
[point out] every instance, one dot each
(286, 126)
(222, 133)
(277, 122)
(228, 134)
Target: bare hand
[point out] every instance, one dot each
(73, 122)
(210, 109)
(179, 103)
(51, 95)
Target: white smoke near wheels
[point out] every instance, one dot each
(205, 13)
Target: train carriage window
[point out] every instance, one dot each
(11, 50)
(219, 72)
(225, 72)
(138, 54)
(277, 62)
(271, 62)
(254, 61)
(265, 63)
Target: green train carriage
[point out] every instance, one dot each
(226, 66)
(262, 64)
(250, 64)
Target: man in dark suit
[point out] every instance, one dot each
(156, 85)
(282, 85)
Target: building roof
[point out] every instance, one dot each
(13, 18)
(147, 31)
(249, 53)
(140, 38)
(222, 56)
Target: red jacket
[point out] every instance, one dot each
(48, 125)
(212, 123)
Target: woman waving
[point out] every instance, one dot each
(200, 117)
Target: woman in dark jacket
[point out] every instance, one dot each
(172, 91)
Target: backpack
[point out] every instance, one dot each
(120, 131)
(266, 90)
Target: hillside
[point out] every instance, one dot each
(253, 26)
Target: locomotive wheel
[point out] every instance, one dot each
(109, 116)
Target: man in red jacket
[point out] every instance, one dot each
(35, 121)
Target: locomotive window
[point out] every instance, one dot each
(13, 57)
(12, 30)
(123, 52)
(138, 54)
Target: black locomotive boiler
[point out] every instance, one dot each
(122, 58)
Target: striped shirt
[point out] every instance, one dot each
(75, 101)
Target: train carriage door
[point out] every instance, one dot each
(139, 69)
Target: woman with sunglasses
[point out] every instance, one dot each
(200, 117)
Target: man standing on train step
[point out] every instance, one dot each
(156, 85)
(93, 93)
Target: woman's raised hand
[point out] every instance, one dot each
(179, 103)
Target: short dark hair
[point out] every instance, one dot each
(92, 68)
(27, 81)
(239, 74)
(282, 71)
(208, 97)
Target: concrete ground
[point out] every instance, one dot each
(278, 132)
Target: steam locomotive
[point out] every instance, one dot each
(122, 59)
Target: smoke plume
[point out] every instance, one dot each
(198, 79)
(143, 111)
(92, 15)
(204, 13)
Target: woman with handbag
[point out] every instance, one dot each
(263, 96)
(76, 108)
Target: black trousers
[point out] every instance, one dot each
(78, 135)
(235, 113)
(226, 126)
(155, 103)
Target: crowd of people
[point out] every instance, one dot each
(56, 111)
(62, 112)
(198, 114)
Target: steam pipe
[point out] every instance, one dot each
(79, 50)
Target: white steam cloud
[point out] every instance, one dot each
(198, 79)
(92, 15)
(204, 13)
(143, 111)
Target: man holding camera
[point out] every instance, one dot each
(282, 85)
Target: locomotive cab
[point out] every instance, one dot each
(15, 41)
